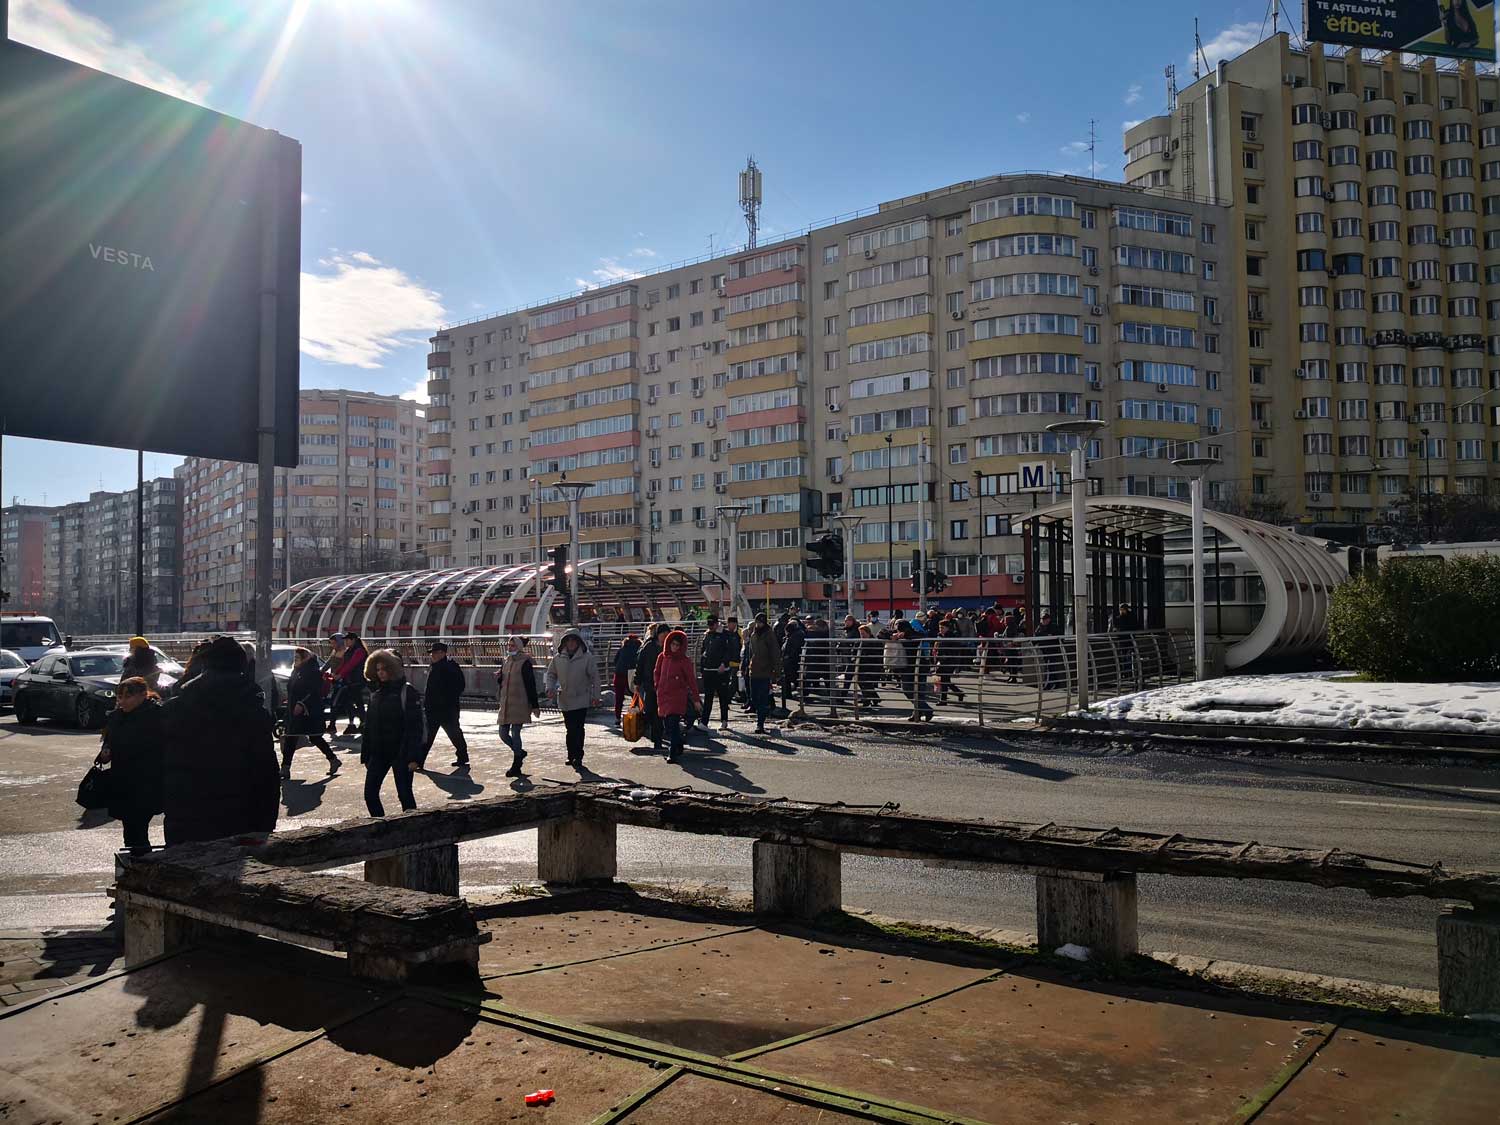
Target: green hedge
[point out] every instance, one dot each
(1420, 619)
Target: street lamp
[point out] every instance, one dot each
(1198, 466)
(1427, 488)
(1082, 429)
(574, 491)
(730, 514)
(847, 524)
(979, 497)
(480, 540)
(890, 531)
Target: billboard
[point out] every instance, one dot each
(130, 265)
(1458, 29)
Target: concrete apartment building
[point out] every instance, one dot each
(357, 503)
(89, 561)
(802, 378)
(23, 545)
(1364, 257)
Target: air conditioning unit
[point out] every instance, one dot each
(1328, 196)
(1168, 154)
(1161, 388)
(834, 408)
(861, 587)
(721, 489)
(699, 523)
(649, 305)
(713, 456)
(651, 398)
(836, 478)
(721, 291)
(468, 351)
(1093, 271)
(1216, 320)
(711, 424)
(1251, 135)
(712, 524)
(1097, 310)
(1325, 120)
(652, 368)
(869, 255)
(1213, 430)
(1446, 240)
(652, 432)
(1265, 424)
(671, 558)
(958, 314)
(1299, 415)
(1315, 497)
(697, 392)
(1413, 284)
(1018, 579)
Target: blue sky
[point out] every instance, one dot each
(464, 157)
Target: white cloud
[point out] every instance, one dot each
(1233, 40)
(1023, 117)
(58, 28)
(417, 392)
(306, 199)
(1125, 127)
(608, 271)
(1073, 148)
(644, 252)
(363, 310)
(1133, 94)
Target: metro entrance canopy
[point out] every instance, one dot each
(477, 602)
(1297, 571)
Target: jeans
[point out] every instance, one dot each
(760, 698)
(447, 719)
(375, 777)
(718, 685)
(510, 734)
(137, 834)
(674, 733)
(573, 721)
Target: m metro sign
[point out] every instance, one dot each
(1034, 476)
(132, 229)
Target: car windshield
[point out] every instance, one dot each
(28, 634)
(11, 660)
(282, 659)
(99, 664)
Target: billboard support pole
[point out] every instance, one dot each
(265, 506)
(140, 542)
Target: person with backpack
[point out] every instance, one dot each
(676, 691)
(625, 657)
(394, 731)
(445, 688)
(304, 711)
(573, 679)
(515, 686)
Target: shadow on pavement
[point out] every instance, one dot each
(714, 769)
(458, 785)
(298, 796)
(1016, 765)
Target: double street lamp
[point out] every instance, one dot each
(574, 491)
(729, 514)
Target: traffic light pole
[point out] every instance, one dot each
(921, 525)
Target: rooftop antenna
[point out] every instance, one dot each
(1093, 175)
(710, 246)
(750, 200)
(1197, 51)
(1171, 73)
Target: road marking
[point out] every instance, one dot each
(1458, 810)
(1463, 789)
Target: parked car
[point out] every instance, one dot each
(29, 635)
(165, 663)
(78, 687)
(11, 666)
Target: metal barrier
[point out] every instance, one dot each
(979, 679)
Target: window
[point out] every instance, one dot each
(953, 263)
(1309, 222)
(958, 454)
(958, 529)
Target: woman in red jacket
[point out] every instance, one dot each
(676, 683)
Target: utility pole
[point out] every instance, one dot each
(890, 531)
(922, 523)
(979, 497)
(140, 542)
(1427, 485)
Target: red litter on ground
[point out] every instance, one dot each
(540, 1097)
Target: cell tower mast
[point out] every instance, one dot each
(1171, 75)
(750, 200)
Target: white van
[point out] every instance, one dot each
(30, 635)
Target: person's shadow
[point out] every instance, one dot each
(300, 796)
(716, 769)
(458, 785)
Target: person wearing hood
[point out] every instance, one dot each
(629, 652)
(645, 678)
(219, 769)
(515, 685)
(573, 679)
(763, 665)
(141, 662)
(794, 637)
(393, 733)
(676, 690)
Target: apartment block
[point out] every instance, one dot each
(1365, 260)
(916, 353)
(356, 503)
(89, 561)
(23, 545)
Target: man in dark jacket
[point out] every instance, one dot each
(645, 678)
(220, 776)
(791, 658)
(717, 661)
(392, 734)
(445, 687)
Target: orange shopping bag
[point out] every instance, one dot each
(633, 723)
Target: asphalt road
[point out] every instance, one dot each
(55, 863)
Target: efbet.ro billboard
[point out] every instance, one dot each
(132, 231)
(1459, 29)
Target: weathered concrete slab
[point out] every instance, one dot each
(414, 1061)
(732, 993)
(692, 1100)
(1386, 1073)
(528, 942)
(123, 1047)
(1028, 1050)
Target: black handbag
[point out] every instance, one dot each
(96, 790)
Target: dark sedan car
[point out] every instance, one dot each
(75, 686)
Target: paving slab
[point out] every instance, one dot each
(417, 1061)
(124, 1046)
(734, 992)
(692, 1099)
(527, 942)
(1384, 1072)
(1020, 1049)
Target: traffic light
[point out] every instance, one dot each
(559, 555)
(937, 581)
(825, 556)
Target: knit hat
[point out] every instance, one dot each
(139, 642)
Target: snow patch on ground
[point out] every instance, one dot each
(1314, 700)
